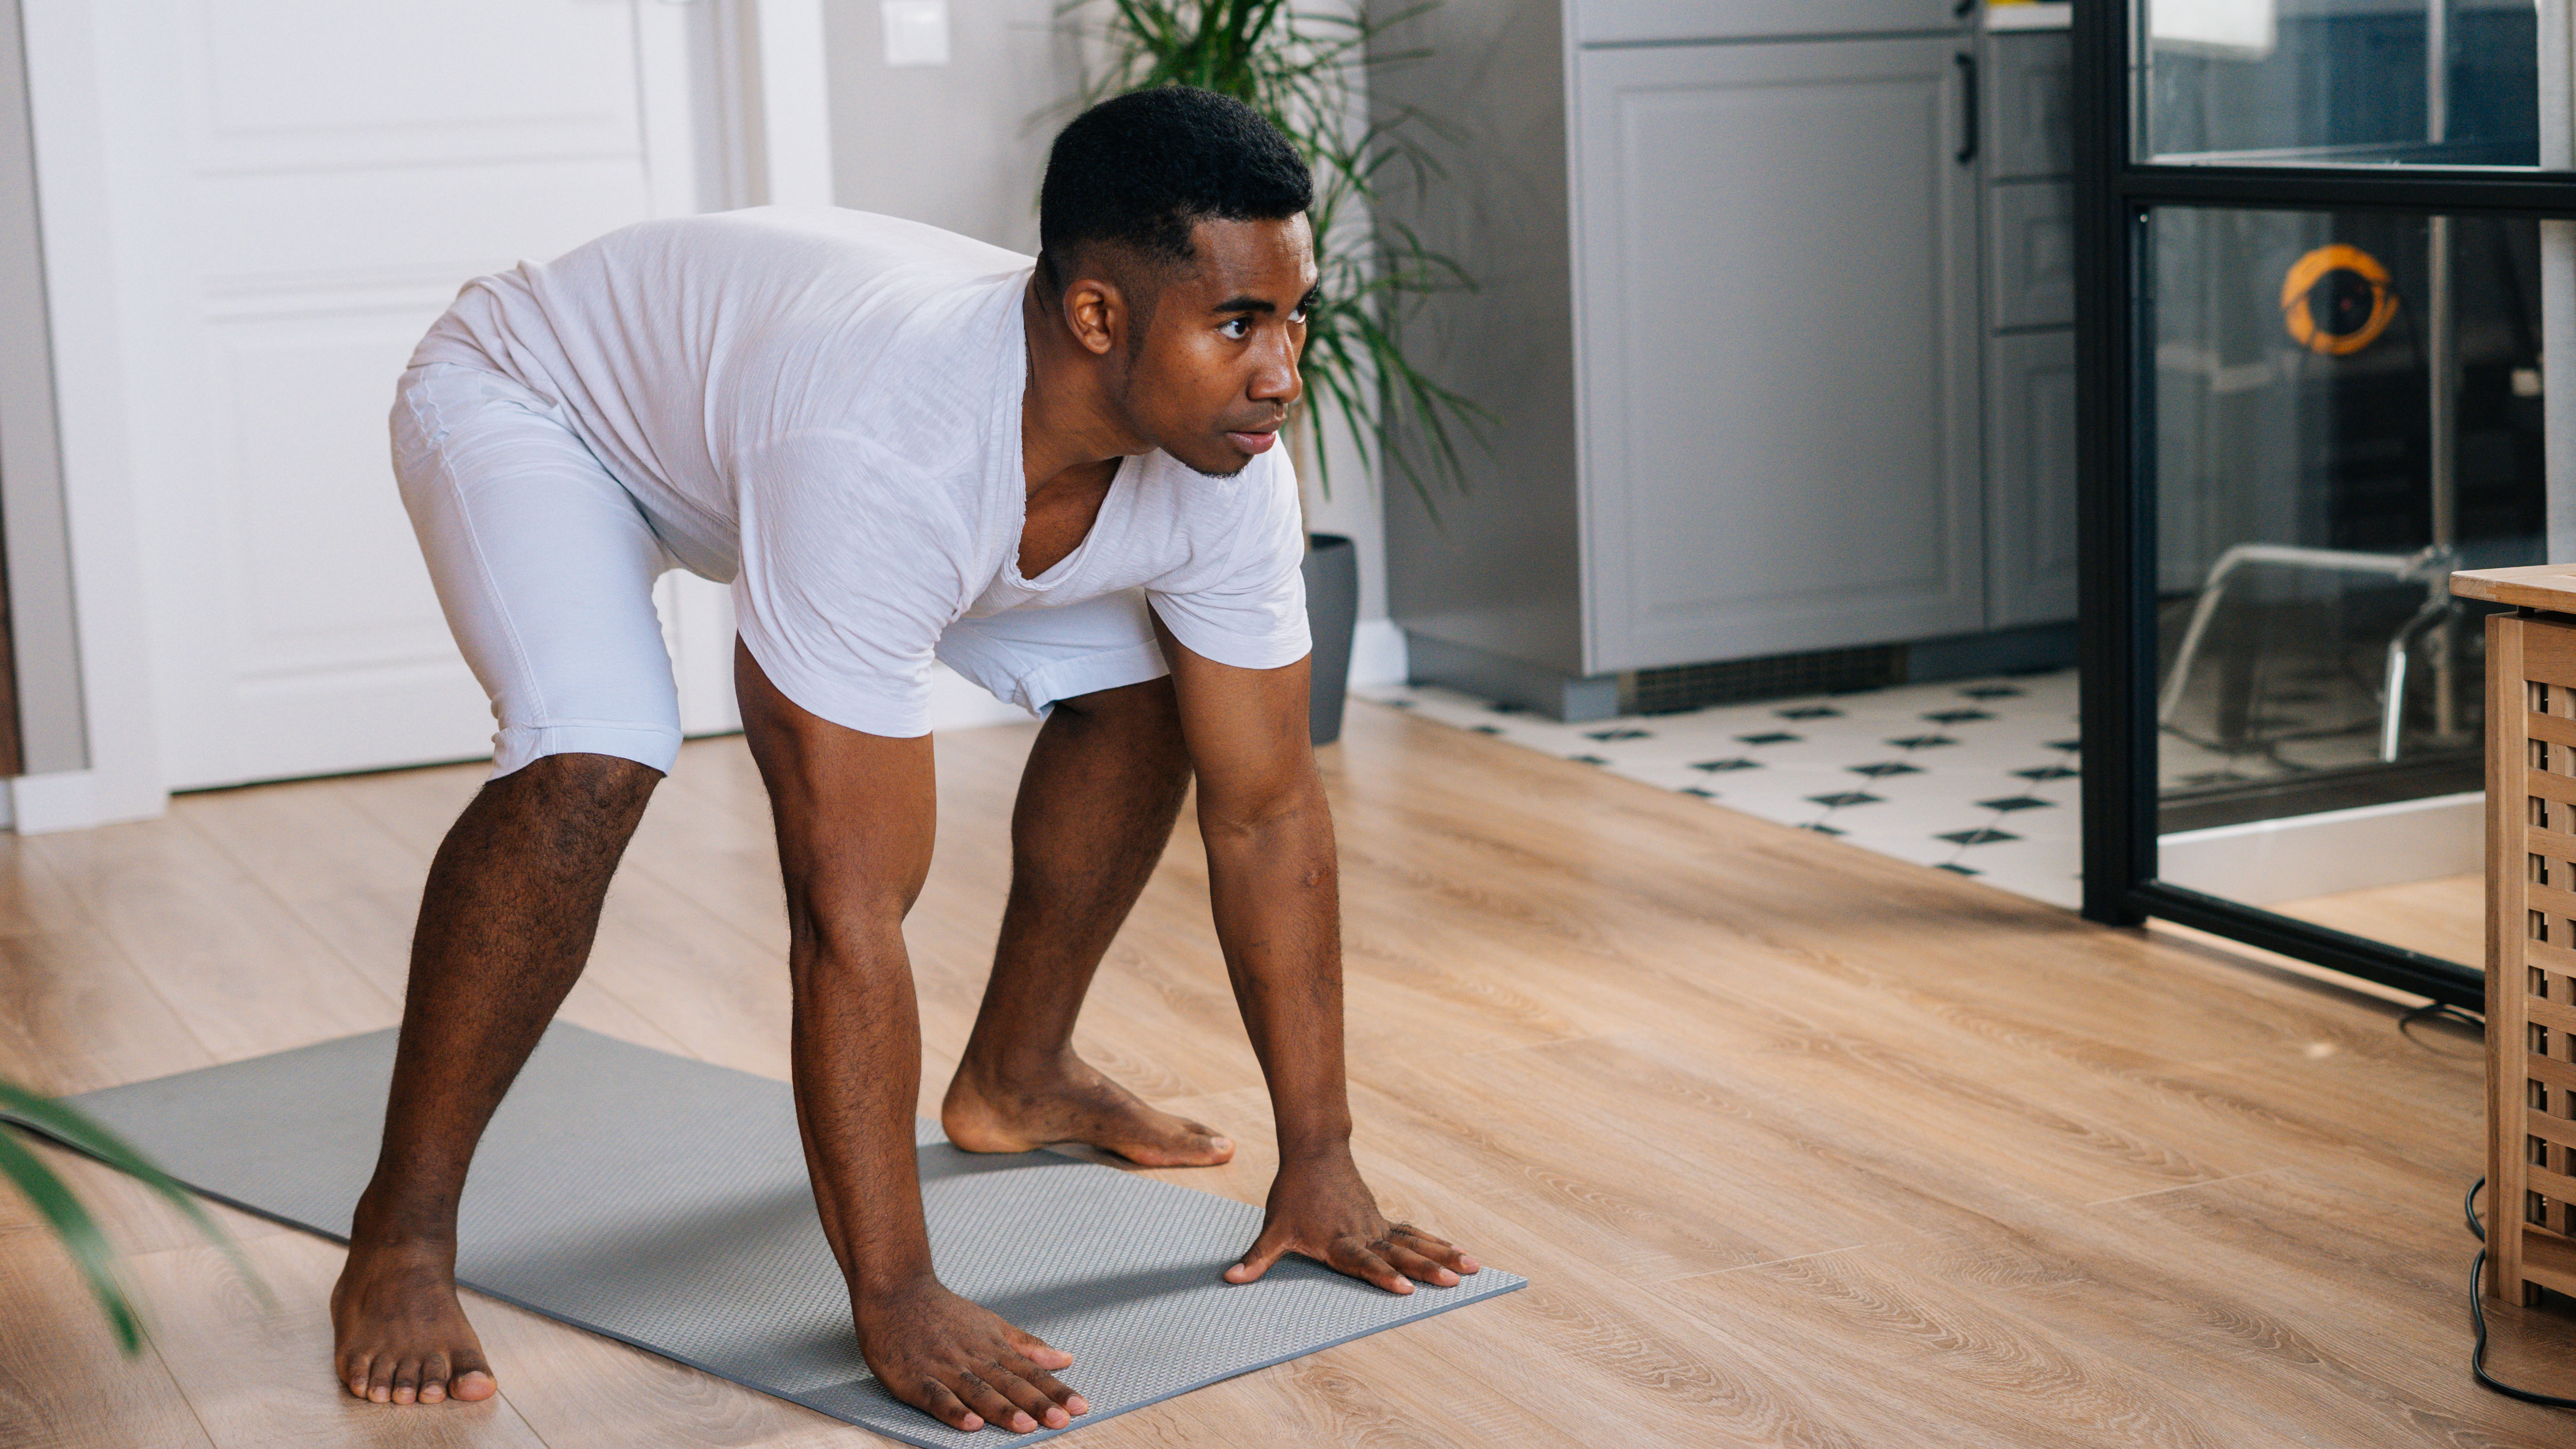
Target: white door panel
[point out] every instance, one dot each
(339, 170)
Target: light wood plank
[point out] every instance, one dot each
(260, 1378)
(240, 970)
(63, 1381)
(2444, 917)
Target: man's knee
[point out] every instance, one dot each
(605, 788)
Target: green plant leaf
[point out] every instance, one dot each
(85, 1134)
(78, 1231)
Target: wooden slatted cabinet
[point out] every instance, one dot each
(2531, 928)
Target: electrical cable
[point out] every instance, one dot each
(2478, 1266)
(2438, 1010)
(2478, 1317)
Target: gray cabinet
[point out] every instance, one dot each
(2030, 477)
(1740, 320)
(2030, 253)
(2030, 354)
(1777, 304)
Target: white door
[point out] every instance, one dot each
(332, 172)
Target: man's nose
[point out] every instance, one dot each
(1274, 378)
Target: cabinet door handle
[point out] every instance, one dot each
(1967, 107)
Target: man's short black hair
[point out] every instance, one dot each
(1139, 170)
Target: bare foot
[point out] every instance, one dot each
(1071, 1102)
(960, 1363)
(399, 1335)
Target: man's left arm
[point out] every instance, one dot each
(1275, 883)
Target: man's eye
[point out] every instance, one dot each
(1237, 328)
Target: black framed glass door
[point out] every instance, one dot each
(2322, 250)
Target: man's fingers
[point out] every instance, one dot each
(1415, 1266)
(1360, 1260)
(1037, 1350)
(1054, 1388)
(992, 1403)
(1438, 1250)
(1265, 1251)
(947, 1408)
(1018, 1382)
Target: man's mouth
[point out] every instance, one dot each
(1254, 442)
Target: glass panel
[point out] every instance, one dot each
(2346, 407)
(2340, 82)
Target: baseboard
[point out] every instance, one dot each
(68, 800)
(1378, 654)
(2264, 862)
(1566, 698)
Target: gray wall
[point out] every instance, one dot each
(959, 146)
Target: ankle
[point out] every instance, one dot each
(1007, 1072)
(384, 1222)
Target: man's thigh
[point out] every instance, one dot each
(1035, 657)
(544, 566)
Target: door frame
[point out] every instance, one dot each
(47, 734)
(2116, 468)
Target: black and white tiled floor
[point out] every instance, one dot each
(1976, 776)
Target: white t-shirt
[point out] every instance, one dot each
(823, 407)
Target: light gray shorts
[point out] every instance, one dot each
(545, 565)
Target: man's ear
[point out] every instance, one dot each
(1096, 314)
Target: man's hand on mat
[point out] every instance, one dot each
(960, 1363)
(1321, 1209)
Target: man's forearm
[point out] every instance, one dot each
(857, 1063)
(1277, 897)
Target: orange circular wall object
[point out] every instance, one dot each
(2298, 300)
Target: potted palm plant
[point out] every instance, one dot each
(1300, 69)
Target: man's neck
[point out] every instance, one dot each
(1068, 422)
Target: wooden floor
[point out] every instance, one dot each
(1797, 1144)
(2445, 916)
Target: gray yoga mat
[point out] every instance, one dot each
(664, 1202)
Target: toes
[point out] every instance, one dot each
(433, 1378)
(471, 1382)
(353, 1372)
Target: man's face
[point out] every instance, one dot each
(1216, 371)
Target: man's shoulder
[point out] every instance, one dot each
(825, 235)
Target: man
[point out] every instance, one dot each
(898, 444)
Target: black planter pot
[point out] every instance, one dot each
(1332, 612)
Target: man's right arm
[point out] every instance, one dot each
(854, 814)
